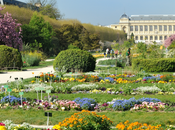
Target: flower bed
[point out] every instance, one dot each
(137, 126)
(53, 103)
(85, 120)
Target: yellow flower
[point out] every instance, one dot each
(2, 128)
(57, 127)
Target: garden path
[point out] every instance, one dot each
(5, 77)
(100, 59)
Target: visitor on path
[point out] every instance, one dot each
(128, 53)
(108, 53)
(112, 52)
(104, 54)
(116, 53)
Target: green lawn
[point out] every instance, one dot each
(36, 117)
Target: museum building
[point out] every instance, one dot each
(147, 28)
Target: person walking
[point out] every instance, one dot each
(104, 54)
(112, 52)
(116, 53)
(128, 53)
(108, 53)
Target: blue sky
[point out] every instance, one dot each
(106, 12)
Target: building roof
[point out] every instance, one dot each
(152, 17)
(124, 16)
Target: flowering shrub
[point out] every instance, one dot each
(136, 126)
(85, 120)
(86, 103)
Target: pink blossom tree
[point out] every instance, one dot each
(169, 40)
(10, 31)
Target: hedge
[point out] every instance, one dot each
(154, 65)
(10, 57)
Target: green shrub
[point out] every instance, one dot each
(74, 59)
(9, 57)
(31, 58)
(155, 65)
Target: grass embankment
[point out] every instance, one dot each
(23, 16)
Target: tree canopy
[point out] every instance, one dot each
(50, 11)
(78, 36)
(38, 33)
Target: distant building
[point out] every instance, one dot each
(147, 28)
(19, 4)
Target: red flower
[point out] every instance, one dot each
(1, 124)
(24, 62)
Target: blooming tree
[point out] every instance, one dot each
(10, 31)
(169, 40)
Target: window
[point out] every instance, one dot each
(160, 27)
(150, 28)
(146, 28)
(174, 27)
(136, 37)
(155, 38)
(141, 37)
(155, 27)
(160, 37)
(170, 28)
(146, 37)
(136, 28)
(165, 37)
(165, 27)
(115, 26)
(141, 28)
(131, 28)
(151, 37)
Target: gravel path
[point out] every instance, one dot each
(5, 77)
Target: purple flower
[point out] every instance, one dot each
(109, 92)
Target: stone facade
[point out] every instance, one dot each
(147, 28)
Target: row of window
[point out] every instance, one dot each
(150, 27)
(150, 38)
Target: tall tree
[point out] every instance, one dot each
(38, 33)
(78, 36)
(50, 11)
(10, 31)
